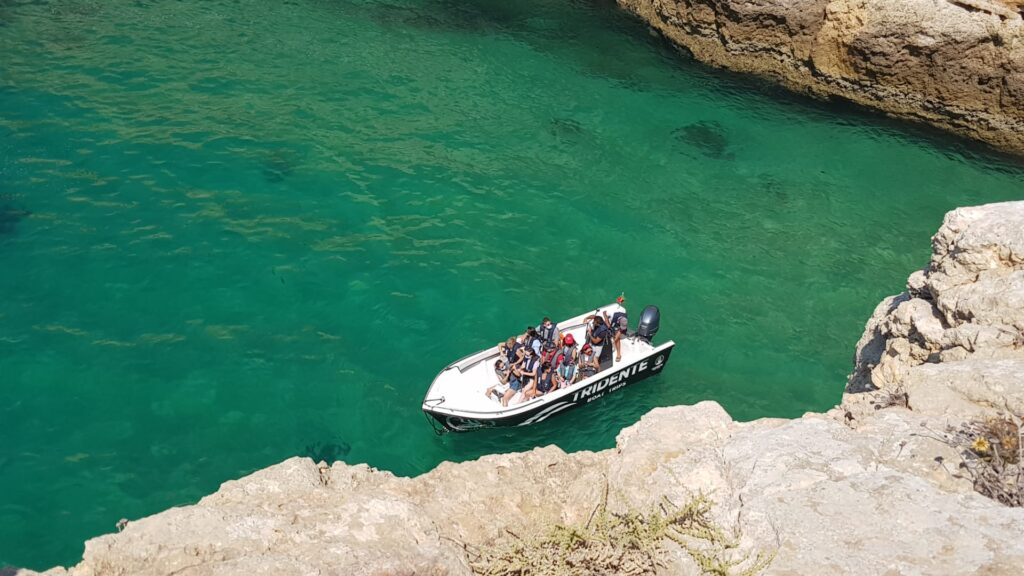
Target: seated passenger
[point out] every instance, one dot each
(565, 362)
(502, 372)
(547, 331)
(511, 350)
(588, 362)
(527, 373)
(515, 385)
(548, 353)
(545, 380)
(532, 340)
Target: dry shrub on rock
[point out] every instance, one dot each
(630, 544)
(993, 456)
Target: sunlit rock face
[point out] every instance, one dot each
(954, 341)
(954, 64)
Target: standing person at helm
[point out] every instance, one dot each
(599, 336)
(619, 325)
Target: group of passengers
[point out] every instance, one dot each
(543, 359)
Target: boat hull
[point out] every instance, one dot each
(584, 392)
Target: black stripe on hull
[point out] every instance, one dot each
(613, 381)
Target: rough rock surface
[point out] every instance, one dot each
(853, 491)
(828, 498)
(955, 64)
(954, 341)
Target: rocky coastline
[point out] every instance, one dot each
(954, 64)
(878, 485)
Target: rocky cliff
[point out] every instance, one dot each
(955, 64)
(874, 486)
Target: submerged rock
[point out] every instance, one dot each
(955, 64)
(707, 136)
(565, 129)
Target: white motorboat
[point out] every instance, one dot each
(457, 399)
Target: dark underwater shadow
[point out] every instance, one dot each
(278, 164)
(566, 129)
(10, 216)
(708, 137)
(328, 452)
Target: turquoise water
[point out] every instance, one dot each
(232, 232)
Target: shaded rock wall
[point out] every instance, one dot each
(955, 64)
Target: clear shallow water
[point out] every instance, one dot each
(232, 232)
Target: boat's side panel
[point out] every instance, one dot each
(602, 384)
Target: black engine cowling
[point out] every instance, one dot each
(650, 321)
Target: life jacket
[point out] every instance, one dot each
(548, 353)
(615, 320)
(546, 383)
(565, 358)
(529, 365)
(547, 334)
(587, 362)
(510, 352)
(528, 341)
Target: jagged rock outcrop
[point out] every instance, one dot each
(955, 64)
(859, 490)
(954, 341)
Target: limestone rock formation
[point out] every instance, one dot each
(825, 497)
(858, 490)
(954, 341)
(955, 64)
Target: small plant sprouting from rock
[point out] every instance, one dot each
(888, 399)
(992, 456)
(630, 544)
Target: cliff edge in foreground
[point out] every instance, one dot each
(954, 64)
(872, 487)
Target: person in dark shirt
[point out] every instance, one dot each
(599, 335)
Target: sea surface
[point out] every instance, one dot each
(233, 231)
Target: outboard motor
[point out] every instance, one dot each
(650, 321)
